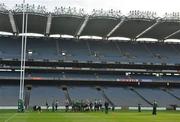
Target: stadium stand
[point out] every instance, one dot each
(42, 94)
(124, 97)
(175, 92)
(84, 93)
(123, 72)
(88, 50)
(10, 49)
(41, 49)
(8, 95)
(163, 99)
(120, 96)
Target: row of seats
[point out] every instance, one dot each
(120, 96)
(91, 50)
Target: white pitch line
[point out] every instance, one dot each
(10, 117)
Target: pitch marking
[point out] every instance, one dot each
(11, 117)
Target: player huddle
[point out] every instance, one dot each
(83, 106)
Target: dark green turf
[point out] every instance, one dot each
(119, 116)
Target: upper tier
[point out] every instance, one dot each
(91, 51)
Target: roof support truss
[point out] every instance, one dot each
(148, 29)
(172, 34)
(13, 25)
(48, 25)
(116, 27)
(83, 26)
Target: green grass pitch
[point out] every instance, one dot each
(119, 116)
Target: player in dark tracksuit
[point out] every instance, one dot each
(47, 106)
(56, 105)
(139, 107)
(106, 105)
(67, 105)
(91, 106)
(53, 106)
(154, 108)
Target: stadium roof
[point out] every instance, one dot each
(36, 22)
(5, 24)
(103, 24)
(66, 24)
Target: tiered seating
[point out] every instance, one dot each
(105, 51)
(41, 49)
(9, 74)
(41, 94)
(84, 93)
(77, 50)
(134, 52)
(10, 48)
(9, 95)
(120, 96)
(124, 97)
(163, 99)
(162, 52)
(91, 50)
(175, 91)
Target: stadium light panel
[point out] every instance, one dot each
(142, 14)
(147, 39)
(157, 74)
(3, 7)
(68, 11)
(63, 54)
(30, 52)
(106, 13)
(6, 33)
(95, 54)
(66, 36)
(177, 74)
(172, 40)
(139, 83)
(119, 38)
(30, 8)
(8, 70)
(128, 73)
(91, 37)
(55, 35)
(174, 16)
(168, 74)
(31, 34)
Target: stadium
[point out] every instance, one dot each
(129, 73)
